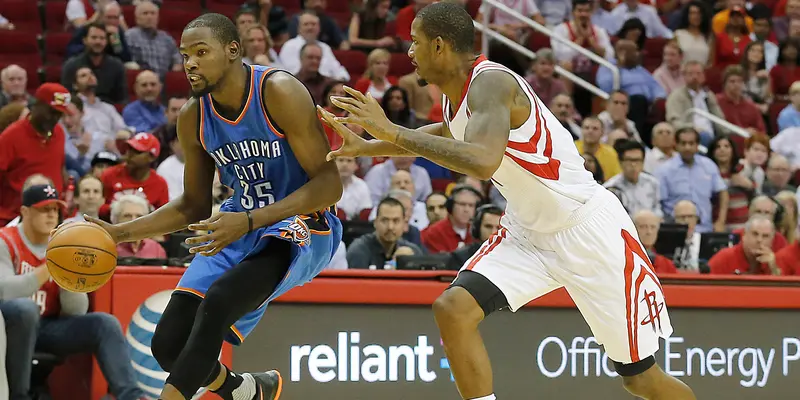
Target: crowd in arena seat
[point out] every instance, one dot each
(105, 78)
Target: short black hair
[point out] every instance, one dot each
(576, 3)
(688, 129)
(223, 29)
(88, 27)
(451, 22)
(390, 201)
(623, 146)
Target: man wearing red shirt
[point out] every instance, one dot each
(452, 232)
(752, 256)
(789, 259)
(647, 225)
(34, 145)
(135, 176)
(767, 208)
(738, 109)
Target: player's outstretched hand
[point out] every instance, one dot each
(221, 230)
(364, 111)
(352, 144)
(110, 228)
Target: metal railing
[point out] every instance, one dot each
(543, 29)
(719, 121)
(530, 54)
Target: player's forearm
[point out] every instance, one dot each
(380, 148)
(463, 157)
(172, 217)
(320, 192)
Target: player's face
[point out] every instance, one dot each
(206, 60)
(90, 196)
(41, 220)
(421, 52)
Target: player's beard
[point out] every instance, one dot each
(207, 88)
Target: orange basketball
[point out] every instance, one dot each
(81, 257)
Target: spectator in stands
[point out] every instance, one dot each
(767, 207)
(647, 225)
(555, 12)
(762, 32)
(734, 8)
(633, 30)
(146, 113)
(788, 259)
(11, 113)
(405, 17)
(645, 13)
(484, 225)
(244, 19)
(34, 179)
(379, 177)
(512, 28)
(80, 12)
(111, 83)
(329, 33)
(435, 207)
(723, 152)
(779, 173)
(638, 191)
(592, 165)
(751, 256)
(738, 109)
(127, 208)
(117, 46)
(789, 117)
(787, 71)
(729, 44)
(756, 152)
(6, 24)
(420, 99)
(355, 194)
(693, 177)
(271, 16)
(39, 314)
(309, 31)
(102, 161)
(452, 232)
(564, 110)
(172, 168)
(757, 86)
(376, 79)
(310, 59)
(367, 29)
(81, 145)
(782, 23)
(13, 86)
(258, 47)
(687, 257)
(788, 225)
(635, 80)
(411, 230)
(33, 145)
(151, 47)
(395, 105)
(542, 79)
(135, 176)
(694, 33)
(416, 210)
(668, 74)
(99, 117)
(615, 117)
(592, 133)
(167, 131)
(377, 250)
(694, 95)
(88, 197)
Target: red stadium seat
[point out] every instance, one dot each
(337, 5)
(472, 7)
(440, 184)
(55, 46)
(772, 114)
(24, 14)
(227, 9)
(50, 73)
(538, 40)
(353, 60)
(176, 85)
(175, 19)
(400, 64)
(21, 48)
(340, 214)
(342, 19)
(364, 214)
(130, 79)
(288, 5)
(714, 80)
(653, 53)
(55, 16)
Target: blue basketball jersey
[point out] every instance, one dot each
(252, 155)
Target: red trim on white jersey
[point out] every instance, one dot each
(450, 113)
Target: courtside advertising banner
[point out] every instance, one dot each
(395, 352)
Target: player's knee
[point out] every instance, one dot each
(164, 347)
(103, 324)
(456, 307)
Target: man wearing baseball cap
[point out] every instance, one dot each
(38, 312)
(33, 145)
(102, 161)
(134, 175)
(720, 19)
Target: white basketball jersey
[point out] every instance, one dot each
(542, 175)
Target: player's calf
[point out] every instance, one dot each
(645, 379)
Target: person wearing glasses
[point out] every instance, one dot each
(638, 191)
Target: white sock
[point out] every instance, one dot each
(489, 397)
(247, 390)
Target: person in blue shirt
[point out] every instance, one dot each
(789, 117)
(258, 127)
(146, 113)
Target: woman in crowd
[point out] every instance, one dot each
(542, 79)
(757, 85)
(788, 226)
(395, 105)
(730, 44)
(723, 152)
(258, 47)
(633, 30)
(786, 72)
(368, 27)
(694, 33)
(376, 79)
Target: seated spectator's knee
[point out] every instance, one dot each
(21, 313)
(103, 324)
(457, 309)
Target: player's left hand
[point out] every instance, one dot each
(364, 111)
(222, 229)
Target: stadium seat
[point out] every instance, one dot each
(363, 215)
(400, 65)
(353, 60)
(50, 73)
(714, 80)
(129, 13)
(337, 5)
(653, 53)
(472, 7)
(538, 40)
(175, 19)
(342, 19)
(772, 114)
(55, 16)
(130, 79)
(440, 185)
(24, 14)
(55, 47)
(227, 9)
(176, 85)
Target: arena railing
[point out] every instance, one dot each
(719, 121)
(543, 29)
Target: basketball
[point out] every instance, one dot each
(81, 257)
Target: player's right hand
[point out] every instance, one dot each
(111, 229)
(352, 144)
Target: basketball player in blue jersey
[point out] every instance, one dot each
(258, 127)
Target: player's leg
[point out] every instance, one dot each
(237, 292)
(173, 328)
(502, 273)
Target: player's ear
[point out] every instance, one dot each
(438, 45)
(234, 50)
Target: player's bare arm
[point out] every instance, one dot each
(195, 202)
(491, 98)
(354, 145)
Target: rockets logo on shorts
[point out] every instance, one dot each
(297, 232)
